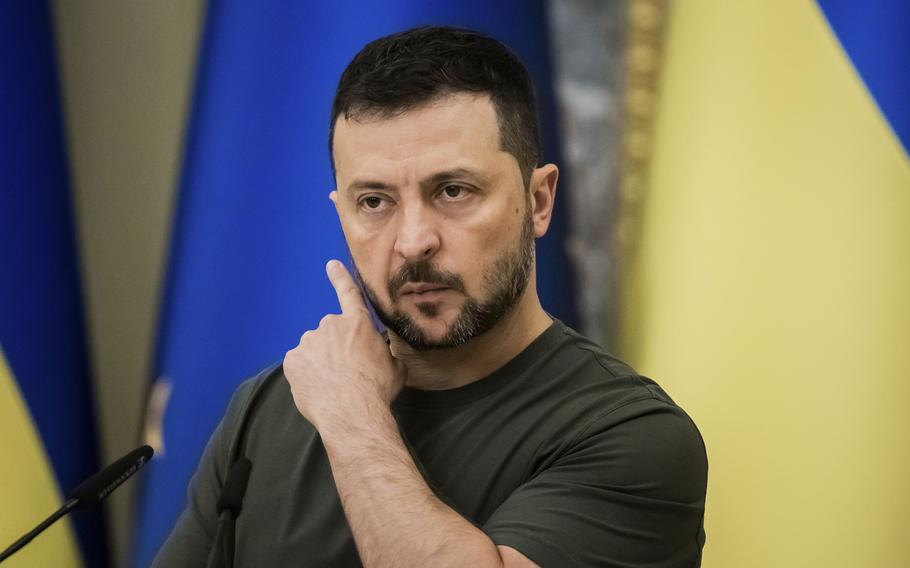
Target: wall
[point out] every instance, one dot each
(127, 70)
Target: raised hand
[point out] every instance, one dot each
(343, 371)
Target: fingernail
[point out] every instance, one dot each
(332, 265)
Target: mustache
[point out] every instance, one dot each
(424, 271)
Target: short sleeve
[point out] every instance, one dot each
(191, 538)
(628, 491)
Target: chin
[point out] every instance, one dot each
(432, 325)
(434, 319)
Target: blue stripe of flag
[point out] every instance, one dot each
(41, 320)
(876, 36)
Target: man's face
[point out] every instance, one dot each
(436, 217)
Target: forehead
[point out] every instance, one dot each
(460, 127)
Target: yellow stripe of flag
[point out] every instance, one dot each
(28, 489)
(771, 288)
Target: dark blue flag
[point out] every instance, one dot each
(47, 425)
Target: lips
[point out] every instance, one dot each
(421, 288)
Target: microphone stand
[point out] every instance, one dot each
(222, 554)
(228, 508)
(27, 537)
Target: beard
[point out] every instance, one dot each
(504, 282)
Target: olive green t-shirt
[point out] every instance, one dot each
(564, 453)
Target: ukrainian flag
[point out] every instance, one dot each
(254, 226)
(46, 420)
(770, 288)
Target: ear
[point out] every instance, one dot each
(543, 197)
(333, 196)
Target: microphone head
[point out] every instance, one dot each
(91, 491)
(231, 498)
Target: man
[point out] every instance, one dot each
(480, 431)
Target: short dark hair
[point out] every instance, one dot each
(403, 71)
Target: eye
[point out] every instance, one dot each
(371, 202)
(454, 192)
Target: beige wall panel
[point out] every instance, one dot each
(127, 70)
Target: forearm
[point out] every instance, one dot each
(394, 516)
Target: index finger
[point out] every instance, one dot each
(349, 295)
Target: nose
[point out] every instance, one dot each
(418, 236)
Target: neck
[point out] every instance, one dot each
(440, 369)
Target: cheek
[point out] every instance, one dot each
(501, 227)
(370, 254)
(371, 264)
(484, 241)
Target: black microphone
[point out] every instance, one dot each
(231, 499)
(89, 493)
(228, 508)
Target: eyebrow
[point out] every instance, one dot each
(368, 184)
(433, 180)
(448, 175)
